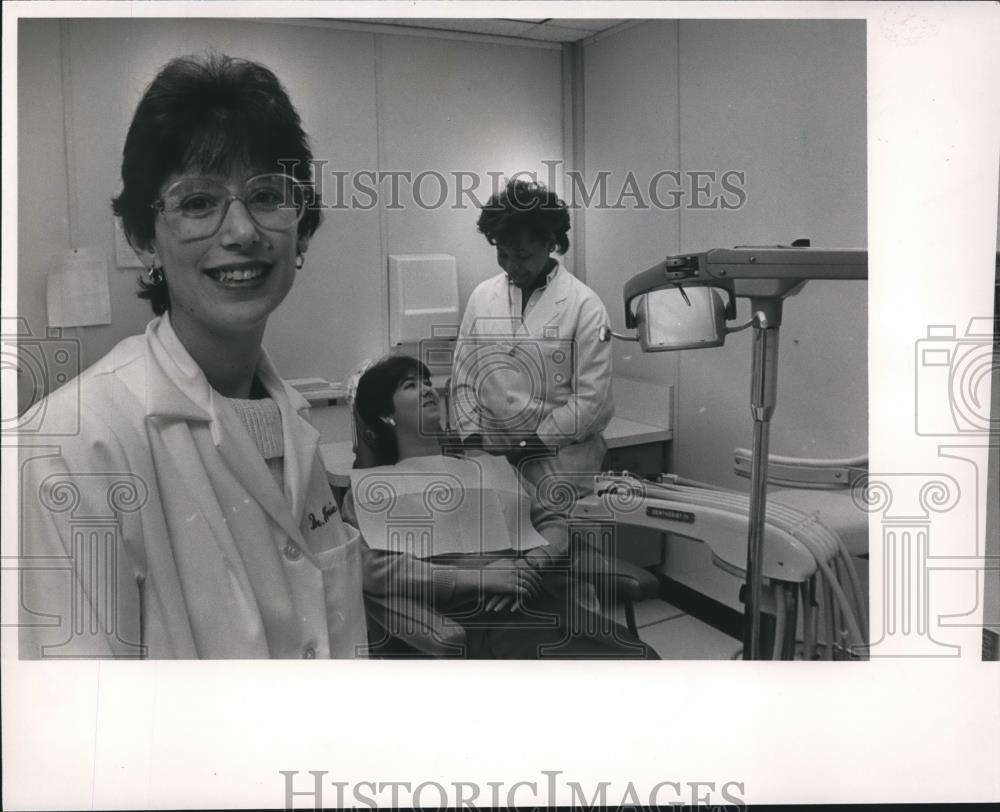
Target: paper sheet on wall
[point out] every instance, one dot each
(78, 292)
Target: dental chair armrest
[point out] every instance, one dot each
(632, 582)
(416, 624)
(625, 580)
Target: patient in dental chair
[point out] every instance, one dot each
(457, 534)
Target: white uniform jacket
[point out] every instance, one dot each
(544, 373)
(158, 530)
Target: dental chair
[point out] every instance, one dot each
(805, 562)
(407, 627)
(398, 625)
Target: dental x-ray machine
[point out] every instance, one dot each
(684, 302)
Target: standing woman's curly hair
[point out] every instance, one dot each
(524, 207)
(213, 114)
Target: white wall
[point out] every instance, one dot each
(453, 106)
(43, 222)
(630, 125)
(369, 102)
(783, 101)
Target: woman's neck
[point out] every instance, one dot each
(417, 446)
(229, 360)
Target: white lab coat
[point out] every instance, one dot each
(158, 530)
(544, 373)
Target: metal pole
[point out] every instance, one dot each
(762, 401)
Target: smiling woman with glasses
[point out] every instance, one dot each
(223, 538)
(194, 208)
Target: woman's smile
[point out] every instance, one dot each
(240, 274)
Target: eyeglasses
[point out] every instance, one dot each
(194, 208)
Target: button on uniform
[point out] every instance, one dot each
(292, 551)
(309, 653)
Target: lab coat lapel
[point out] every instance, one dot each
(176, 387)
(301, 439)
(174, 384)
(494, 319)
(501, 322)
(248, 466)
(547, 312)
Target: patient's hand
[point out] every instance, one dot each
(508, 584)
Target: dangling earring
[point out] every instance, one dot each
(300, 260)
(389, 421)
(155, 274)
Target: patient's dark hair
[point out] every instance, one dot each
(373, 401)
(525, 208)
(213, 114)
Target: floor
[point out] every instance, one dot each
(676, 635)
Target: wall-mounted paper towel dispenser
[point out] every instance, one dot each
(423, 295)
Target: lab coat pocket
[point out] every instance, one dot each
(341, 570)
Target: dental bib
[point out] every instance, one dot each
(429, 506)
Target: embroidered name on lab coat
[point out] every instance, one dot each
(328, 510)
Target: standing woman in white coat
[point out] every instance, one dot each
(190, 516)
(531, 380)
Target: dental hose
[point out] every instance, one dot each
(819, 540)
(860, 597)
(779, 621)
(815, 596)
(824, 545)
(808, 635)
(791, 621)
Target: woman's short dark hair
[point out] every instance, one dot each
(528, 208)
(215, 113)
(373, 401)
